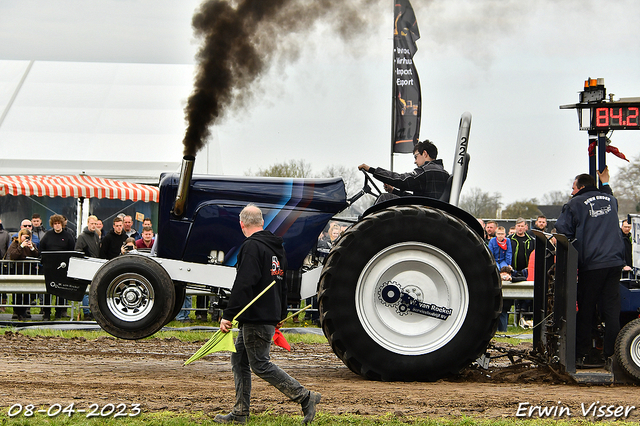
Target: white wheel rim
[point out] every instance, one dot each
(634, 350)
(425, 272)
(130, 297)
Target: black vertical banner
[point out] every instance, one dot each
(407, 108)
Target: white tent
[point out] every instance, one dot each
(118, 121)
(81, 187)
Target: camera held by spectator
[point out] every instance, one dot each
(129, 244)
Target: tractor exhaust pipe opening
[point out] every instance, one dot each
(183, 186)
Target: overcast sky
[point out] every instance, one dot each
(511, 64)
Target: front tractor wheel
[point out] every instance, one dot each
(132, 297)
(409, 293)
(627, 349)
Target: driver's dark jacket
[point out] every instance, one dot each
(428, 180)
(261, 260)
(591, 217)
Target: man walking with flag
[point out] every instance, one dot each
(261, 260)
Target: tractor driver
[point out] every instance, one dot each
(428, 179)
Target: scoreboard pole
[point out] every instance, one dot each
(602, 151)
(601, 163)
(593, 138)
(598, 161)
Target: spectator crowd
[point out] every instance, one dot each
(33, 238)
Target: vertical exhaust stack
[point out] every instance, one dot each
(183, 186)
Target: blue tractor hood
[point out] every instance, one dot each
(295, 209)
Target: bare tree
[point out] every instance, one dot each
(353, 181)
(556, 198)
(527, 209)
(291, 168)
(350, 175)
(481, 204)
(626, 188)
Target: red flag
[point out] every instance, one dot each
(615, 151)
(610, 148)
(279, 340)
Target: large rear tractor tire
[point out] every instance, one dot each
(132, 297)
(410, 293)
(627, 350)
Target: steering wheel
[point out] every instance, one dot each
(369, 180)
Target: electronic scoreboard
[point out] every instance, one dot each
(595, 113)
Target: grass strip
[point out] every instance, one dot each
(271, 419)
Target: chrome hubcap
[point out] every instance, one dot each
(130, 297)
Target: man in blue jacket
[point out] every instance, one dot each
(591, 217)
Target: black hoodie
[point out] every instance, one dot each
(261, 260)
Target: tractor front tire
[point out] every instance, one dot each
(410, 293)
(627, 350)
(132, 297)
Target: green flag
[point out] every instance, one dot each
(218, 342)
(223, 341)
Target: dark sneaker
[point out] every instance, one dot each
(309, 407)
(230, 418)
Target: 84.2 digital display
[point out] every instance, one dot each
(622, 117)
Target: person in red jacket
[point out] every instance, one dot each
(146, 242)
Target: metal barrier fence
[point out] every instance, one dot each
(21, 267)
(27, 277)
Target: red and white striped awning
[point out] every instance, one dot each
(77, 187)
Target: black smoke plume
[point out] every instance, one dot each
(240, 40)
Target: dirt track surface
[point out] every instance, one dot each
(47, 370)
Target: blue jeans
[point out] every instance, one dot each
(503, 320)
(252, 354)
(85, 302)
(184, 313)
